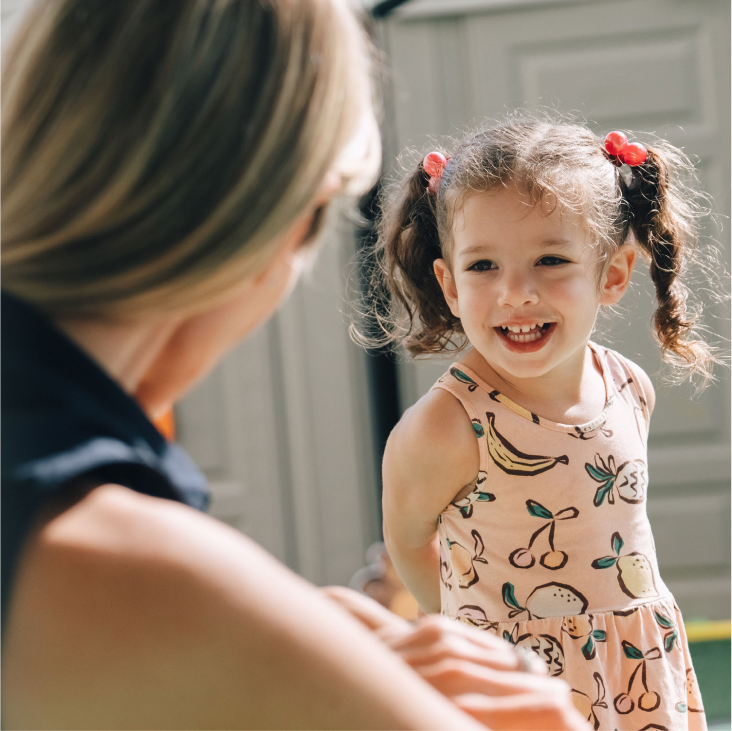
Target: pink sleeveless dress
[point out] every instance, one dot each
(553, 551)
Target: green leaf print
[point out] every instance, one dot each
(588, 649)
(664, 621)
(604, 563)
(599, 635)
(595, 474)
(509, 598)
(617, 543)
(603, 491)
(478, 429)
(538, 511)
(631, 652)
(670, 640)
(486, 497)
(463, 378)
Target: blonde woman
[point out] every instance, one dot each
(166, 164)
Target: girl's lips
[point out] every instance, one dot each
(531, 346)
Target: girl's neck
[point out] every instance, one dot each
(574, 394)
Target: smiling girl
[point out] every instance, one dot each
(515, 490)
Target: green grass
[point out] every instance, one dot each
(712, 665)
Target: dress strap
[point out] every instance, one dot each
(462, 387)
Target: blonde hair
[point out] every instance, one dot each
(155, 151)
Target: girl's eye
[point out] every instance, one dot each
(483, 265)
(551, 261)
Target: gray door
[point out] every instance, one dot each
(660, 66)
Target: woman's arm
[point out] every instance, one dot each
(134, 612)
(431, 457)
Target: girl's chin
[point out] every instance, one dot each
(523, 345)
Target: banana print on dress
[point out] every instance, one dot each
(649, 700)
(586, 706)
(547, 600)
(465, 504)
(630, 479)
(580, 627)
(522, 558)
(463, 562)
(548, 648)
(635, 574)
(513, 461)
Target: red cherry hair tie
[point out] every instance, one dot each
(433, 164)
(629, 153)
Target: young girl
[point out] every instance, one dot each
(535, 439)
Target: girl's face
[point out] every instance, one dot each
(526, 283)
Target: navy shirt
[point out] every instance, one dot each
(64, 418)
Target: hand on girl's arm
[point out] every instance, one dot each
(430, 456)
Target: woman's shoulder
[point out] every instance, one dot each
(625, 372)
(131, 610)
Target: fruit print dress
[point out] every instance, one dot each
(552, 550)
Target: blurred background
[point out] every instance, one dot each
(291, 426)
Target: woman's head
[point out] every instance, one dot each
(156, 151)
(560, 170)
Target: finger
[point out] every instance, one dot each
(458, 648)
(436, 638)
(523, 712)
(455, 677)
(365, 609)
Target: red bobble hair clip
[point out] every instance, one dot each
(623, 152)
(433, 164)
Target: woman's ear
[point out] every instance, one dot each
(616, 277)
(447, 284)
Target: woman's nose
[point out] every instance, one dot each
(517, 290)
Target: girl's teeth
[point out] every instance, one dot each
(524, 333)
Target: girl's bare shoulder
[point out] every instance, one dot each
(433, 443)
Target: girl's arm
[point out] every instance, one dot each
(430, 458)
(135, 612)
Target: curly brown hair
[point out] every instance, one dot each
(659, 202)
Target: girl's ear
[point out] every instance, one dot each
(447, 284)
(616, 277)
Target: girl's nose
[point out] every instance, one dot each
(517, 290)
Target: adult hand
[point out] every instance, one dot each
(478, 671)
(485, 676)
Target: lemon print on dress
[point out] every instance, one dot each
(635, 574)
(648, 700)
(586, 706)
(629, 480)
(547, 600)
(463, 562)
(523, 558)
(513, 461)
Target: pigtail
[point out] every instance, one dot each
(663, 216)
(406, 304)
